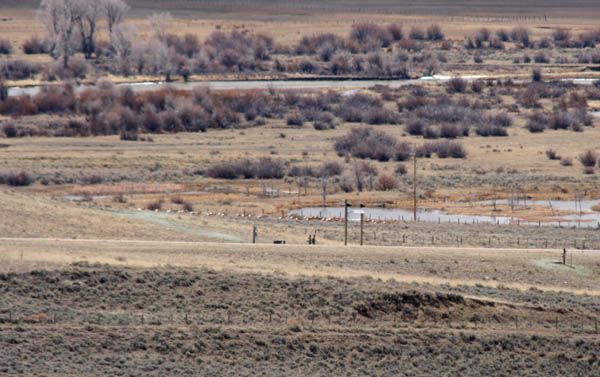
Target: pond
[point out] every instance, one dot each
(586, 218)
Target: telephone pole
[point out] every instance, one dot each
(362, 223)
(415, 184)
(345, 222)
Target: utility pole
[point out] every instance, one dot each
(346, 222)
(362, 222)
(415, 185)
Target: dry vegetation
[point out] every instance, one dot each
(106, 191)
(193, 320)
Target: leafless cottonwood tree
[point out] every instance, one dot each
(88, 13)
(159, 23)
(63, 17)
(158, 55)
(115, 12)
(60, 19)
(121, 38)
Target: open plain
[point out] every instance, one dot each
(147, 172)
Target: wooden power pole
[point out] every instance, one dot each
(415, 185)
(362, 222)
(345, 222)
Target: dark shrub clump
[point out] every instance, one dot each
(367, 143)
(16, 179)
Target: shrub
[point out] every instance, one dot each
(588, 39)
(354, 108)
(552, 154)
(55, 99)
(529, 97)
(307, 66)
(366, 143)
(16, 179)
(364, 173)
(502, 120)
(155, 205)
(223, 117)
(415, 127)
(496, 44)
(430, 132)
(541, 57)
(400, 169)
(18, 69)
(417, 33)
(483, 34)
(450, 131)
(395, 31)
(566, 161)
(3, 90)
(193, 118)
(310, 45)
(490, 129)
(224, 170)
(477, 86)
(502, 34)
(34, 45)
(456, 85)
(127, 135)
(537, 122)
(412, 102)
(560, 120)
(5, 47)
(9, 130)
(435, 33)
(378, 115)
(443, 149)
(295, 119)
(588, 158)
(536, 75)
(364, 33)
(561, 35)
(330, 169)
(187, 207)
(325, 121)
(521, 35)
(263, 168)
(404, 151)
(267, 168)
(387, 183)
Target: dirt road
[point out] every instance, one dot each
(512, 268)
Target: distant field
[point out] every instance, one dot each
(584, 8)
(288, 21)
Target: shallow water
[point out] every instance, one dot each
(276, 84)
(587, 219)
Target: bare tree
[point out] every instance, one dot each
(60, 19)
(158, 58)
(121, 39)
(115, 12)
(364, 172)
(87, 16)
(159, 24)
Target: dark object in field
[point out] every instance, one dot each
(279, 242)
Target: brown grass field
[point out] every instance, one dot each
(123, 258)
